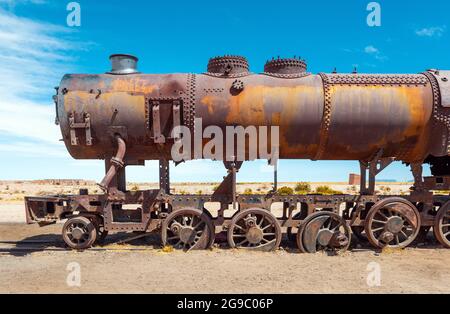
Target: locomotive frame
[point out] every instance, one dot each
(323, 222)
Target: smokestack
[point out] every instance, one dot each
(123, 64)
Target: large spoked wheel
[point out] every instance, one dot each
(79, 233)
(188, 229)
(442, 225)
(392, 222)
(254, 229)
(324, 231)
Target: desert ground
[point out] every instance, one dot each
(34, 259)
(12, 192)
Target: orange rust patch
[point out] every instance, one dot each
(209, 101)
(83, 101)
(414, 102)
(421, 109)
(135, 85)
(417, 108)
(289, 150)
(264, 105)
(273, 106)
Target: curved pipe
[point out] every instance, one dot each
(116, 163)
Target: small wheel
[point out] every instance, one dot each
(79, 233)
(254, 229)
(392, 222)
(324, 231)
(442, 225)
(100, 227)
(188, 229)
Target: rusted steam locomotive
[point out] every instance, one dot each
(125, 117)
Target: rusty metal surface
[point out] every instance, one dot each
(286, 68)
(325, 116)
(116, 164)
(324, 231)
(443, 81)
(441, 121)
(392, 222)
(377, 79)
(228, 66)
(437, 183)
(441, 226)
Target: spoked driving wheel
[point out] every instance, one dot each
(442, 225)
(324, 231)
(254, 229)
(79, 233)
(188, 229)
(392, 222)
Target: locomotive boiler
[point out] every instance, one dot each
(125, 118)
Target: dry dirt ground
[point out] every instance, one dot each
(142, 266)
(223, 271)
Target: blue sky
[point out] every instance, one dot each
(37, 48)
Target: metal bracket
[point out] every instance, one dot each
(375, 166)
(228, 186)
(86, 124)
(157, 136)
(159, 118)
(417, 169)
(176, 117)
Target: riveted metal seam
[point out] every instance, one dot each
(326, 118)
(189, 107)
(377, 79)
(287, 76)
(231, 75)
(438, 113)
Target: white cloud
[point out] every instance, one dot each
(22, 118)
(375, 52)
(371, 49)
(434, 31)
(30, 149)
(34, 56)
(12, 3)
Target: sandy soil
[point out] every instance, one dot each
(416, 270)
(142, 266)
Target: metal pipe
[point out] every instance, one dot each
(116, 163)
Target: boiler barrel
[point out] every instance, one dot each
(320, 117)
